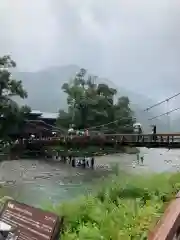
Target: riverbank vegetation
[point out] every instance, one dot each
(12, 115)
(125, 207)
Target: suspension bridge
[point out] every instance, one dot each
(167, 140)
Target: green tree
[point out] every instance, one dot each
(124, 113)
(11, 113)
(92, 104)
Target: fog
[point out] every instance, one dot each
(134, 43)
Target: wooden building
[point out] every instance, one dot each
(38, 123)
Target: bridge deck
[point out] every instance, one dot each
(170, 140)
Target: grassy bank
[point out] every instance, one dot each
(124, 207)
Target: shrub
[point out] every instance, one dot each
(124, 207)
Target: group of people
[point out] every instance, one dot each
(85, 162)
(139, 130)
(72, 131)
(79, 162)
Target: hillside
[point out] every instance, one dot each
(45, 94)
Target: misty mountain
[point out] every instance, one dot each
(45, 94)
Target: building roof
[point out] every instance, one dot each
(36, 112)
(49, 115)
(45, 115)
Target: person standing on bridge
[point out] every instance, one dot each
(154, 132)
(138, 130)
(154, 129)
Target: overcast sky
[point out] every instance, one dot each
(134, 43)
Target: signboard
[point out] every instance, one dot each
(29, 223)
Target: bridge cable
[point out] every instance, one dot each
(44, 128)
(46, 124)
(166, 113)
(47, 129)
(123, 118)
(146, 109)
(159, 103)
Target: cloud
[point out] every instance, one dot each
(27, 32)
(133, 42)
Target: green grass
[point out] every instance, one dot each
(124, 207)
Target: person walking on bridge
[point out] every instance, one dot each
(154, 132)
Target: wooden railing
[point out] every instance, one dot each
(113, 139)
(168, 227)
(171, 140)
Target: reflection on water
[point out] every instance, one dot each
(35, 182)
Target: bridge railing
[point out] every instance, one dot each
(168, 227)
(163, 140)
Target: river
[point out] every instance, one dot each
(40, 182)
